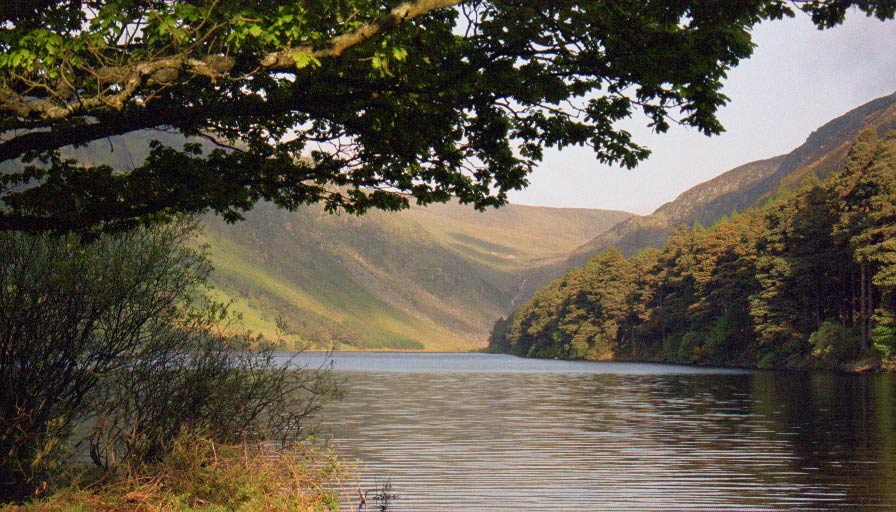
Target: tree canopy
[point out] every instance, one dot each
(806, 280)
(353, 103)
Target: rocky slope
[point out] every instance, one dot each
(747, 185)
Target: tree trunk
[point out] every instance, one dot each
(866, 305)
(854, 311)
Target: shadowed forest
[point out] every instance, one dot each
(808, 280)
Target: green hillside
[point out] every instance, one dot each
(431, 278)
(806, 281)
(748, 185)
(803, 276)
(434, 278)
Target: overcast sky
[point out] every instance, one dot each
(797, 79)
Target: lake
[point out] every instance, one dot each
(494, 432)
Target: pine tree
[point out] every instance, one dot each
(876, 244)
(808, 279)
(852, 195)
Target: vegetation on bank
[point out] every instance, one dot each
(110, 350)
(809, 280)
(198, 474)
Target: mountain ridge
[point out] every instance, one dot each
(747, 185)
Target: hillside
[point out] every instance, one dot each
(806, 281)
(433, 278)
(747, 185)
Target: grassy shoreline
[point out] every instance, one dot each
(201, 475)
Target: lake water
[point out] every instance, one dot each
(492, 432)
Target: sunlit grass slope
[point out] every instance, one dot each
(433, 279)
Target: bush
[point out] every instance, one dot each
(230, 389)
(116, 338)
(498, 340)
(833, 344)
(719, 340)
(884, 339)
(691, 348)
(670, 348)
(769, 361)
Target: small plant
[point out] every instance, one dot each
(691, 348)
(380, 497)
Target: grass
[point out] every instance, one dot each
(433, 279)
(200, 475)
(328, 300)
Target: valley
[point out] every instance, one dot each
(431, 278)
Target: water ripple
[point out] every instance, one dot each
(633, 440)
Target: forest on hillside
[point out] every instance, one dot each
(808, 280)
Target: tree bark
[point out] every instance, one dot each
(865, 304)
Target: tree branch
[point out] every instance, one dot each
(285, 60)
(124, 83)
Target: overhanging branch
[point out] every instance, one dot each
(335, 47)
(125, 83)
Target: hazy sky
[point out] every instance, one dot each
(797, 79)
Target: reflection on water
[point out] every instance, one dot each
(516, 434)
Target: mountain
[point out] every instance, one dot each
(749, 185)
(808, 280)
(432, 278)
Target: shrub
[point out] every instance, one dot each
(670, 348)
(719, 339)
(116, 338)
(691, 348)
(769, 361)
(833, 344)
(884, 339)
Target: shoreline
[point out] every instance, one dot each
(858, 367)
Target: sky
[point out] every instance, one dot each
(798, 78)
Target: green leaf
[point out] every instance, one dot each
(399, 53)
(303, 60)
